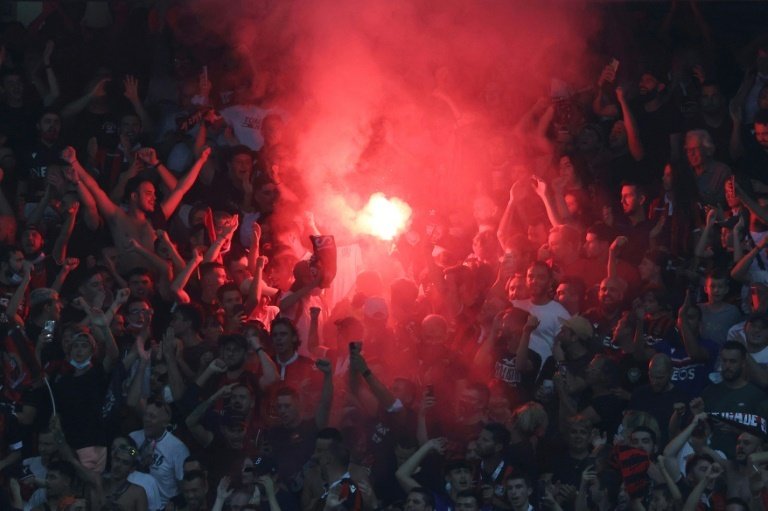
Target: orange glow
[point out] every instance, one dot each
(384, 218)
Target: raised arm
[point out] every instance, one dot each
(202, 435)
(149, 157)
(78, 105)
(382, 393)
(630, 125)
(541, 189)
(269, 373)
(131, 92)
(522, 359)
(171, 357)
(182, 277)
(170, 204)
(82, 178)
(673, 447)
(323, 412)
(405, 473)
(690, 338)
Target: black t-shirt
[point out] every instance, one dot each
(294, 446)
(79, 403)
(655, 129)
(521, 384)
(33, 168)
(755, 160)
(659, 404)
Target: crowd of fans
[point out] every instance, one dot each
(592, 334)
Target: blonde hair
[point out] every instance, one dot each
(530, 418)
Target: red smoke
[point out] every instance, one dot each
(413, 98)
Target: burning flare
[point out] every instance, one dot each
(384, 218)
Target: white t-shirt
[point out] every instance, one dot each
(146, 481)
(549, 314)
(246, 123)
(167, 463)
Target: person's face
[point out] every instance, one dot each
(658, 377)
(141, 286)
(321, 456)
(484, 445)
(232, 354)
(617, 138)
(80, 349)
(568, 294)
(594, 369)
(241, 167)
(238, 269)
(265, 198)
(283, 339)
(746, 444)
(538, 281)
(578, 435)
(46, 444)
(467, 504)
(561, 249)
(631, 201)
(572, 204)
(14, 87)
(139, 315)
(230, 300)
(158, 377)
(234, 434)
(415, 502)
(49, 127)
(648, 84)
(155, 420)
(287, 410)
(643, 440)
(731, 365)
(762, 99)
(756, 333)
(469, 403)
(194, 493)
(694, 152)
(130, 126)
(31, 242)
(761, 135)
(144, 197)
(460, 478)
(240, 400)
(122, 464)
(699, 471)
(56, 483)
(566, 169)
(517, 288)
(214, 279)
(16, 261)
(659, 501)
(518, 492)
(716, 289)
(647, 269)
(609, 293)
(711, 100)
(667, 180)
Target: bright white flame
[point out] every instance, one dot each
(384, 218)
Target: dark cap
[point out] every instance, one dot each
(264, 465)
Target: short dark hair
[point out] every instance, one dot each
(644, 429)
(190, 312)
(64, 468)
(227, 287)
(429, 498)
(761, 117)
(206, 268)
(499, 432)
(133, 184)
(696, 458)
(289, 325)
(736, 346)
(139, 271)
(469, 494)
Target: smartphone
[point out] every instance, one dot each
(48, 329)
